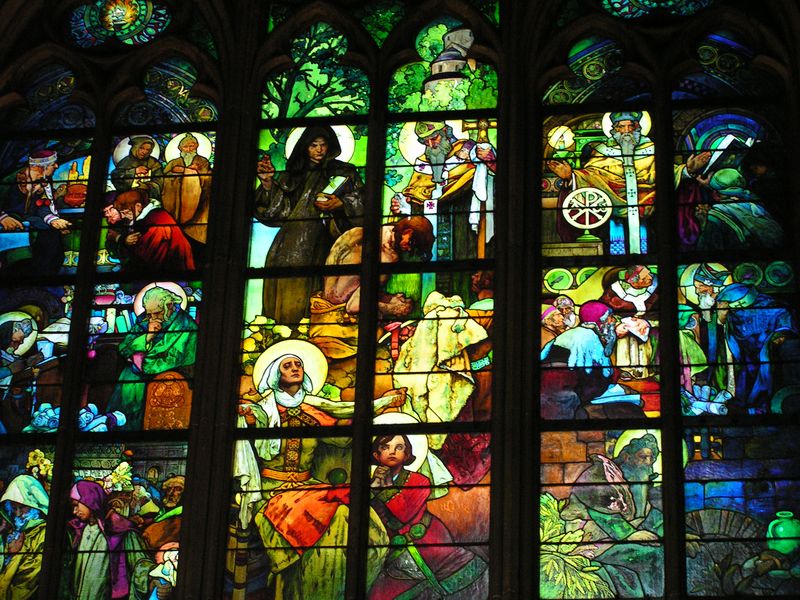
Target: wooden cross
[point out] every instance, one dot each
(482, 126)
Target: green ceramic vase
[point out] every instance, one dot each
(783, 534)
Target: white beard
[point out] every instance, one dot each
(188, 157)
(627, 141)
(706, 301)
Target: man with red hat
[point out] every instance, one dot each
(36, 202)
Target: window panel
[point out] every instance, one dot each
(598, 184)
(34, 333)
(157, 201)
(600, 337)
(435, 350)
(741, 493)
(597, 64)
(168, 97)
(289, 515)
(142, 346)
(42, 198)
(447, 77)
(309, 191)
(737, 338)
(320, 83)
(434, 527)
(442, 171)
(127, 507)
(601, 514)
(25, 475)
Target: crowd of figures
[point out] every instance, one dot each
(141, 353)
(433, 364)
(122, 539)
(155, 211)
(739, 344)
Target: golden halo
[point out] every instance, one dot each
(203, 146)
(419, 442)
(346, 141)
(123, 149)
(645, 123)
(410, 146)
(30, 339)
(314, 363)
(138, 301)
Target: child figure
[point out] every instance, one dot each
(422, 560)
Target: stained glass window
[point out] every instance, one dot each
(447, 76)
(132, 22)
(632, 9)
(323, 299)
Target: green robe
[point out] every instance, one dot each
(19, 578)
(172, 348)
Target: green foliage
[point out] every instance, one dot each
(477, 89)
(317, 85)
(430, 41)
(380, 18)
(565, 573)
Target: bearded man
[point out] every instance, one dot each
(453, 179)
(167, 525)
(36, 199)
(708, 282)
(164, 338)
(624, 168)
(187, 189)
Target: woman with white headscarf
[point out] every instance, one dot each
(301, 520)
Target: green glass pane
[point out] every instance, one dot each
(447, 77)
(379, 18)
(318, 84)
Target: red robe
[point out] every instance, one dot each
(162, 244)
(403, 510)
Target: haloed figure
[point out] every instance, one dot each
(309, 218)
